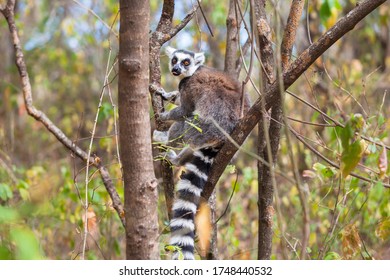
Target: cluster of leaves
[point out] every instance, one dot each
(42, 217)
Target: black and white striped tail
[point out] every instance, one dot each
(189, 189)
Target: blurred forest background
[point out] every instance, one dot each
(68, 46)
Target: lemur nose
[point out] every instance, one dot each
(176, 70)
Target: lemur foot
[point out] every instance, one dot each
(171, 156)
(160, 136)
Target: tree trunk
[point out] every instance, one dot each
(135, 139)
(269, 135)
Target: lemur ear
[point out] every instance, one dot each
(169, 51)
(199, 58)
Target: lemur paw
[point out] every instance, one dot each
(160, 136)
(164, 116)
(160, 91)
(168, 96)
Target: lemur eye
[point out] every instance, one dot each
(174, 60)
(186, 62)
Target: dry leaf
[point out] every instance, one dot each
(351, 241)
(93, 228)
(383, 229)
(203, 228)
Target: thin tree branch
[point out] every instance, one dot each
(232, 40)
(183, 22)
(291, 31)
(286, 52)
(97, 16)
(205, 19)
(8, 12)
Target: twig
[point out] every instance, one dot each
(97, 16)
(308, 22)
(314, 108)
(230, 199)
(182, 24)
(205, 19)
(291, 31)
(87, 180)
(9, 171)
(311, 123)
(286, 51)
(343, 89)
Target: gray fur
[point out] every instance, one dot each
(205, 96)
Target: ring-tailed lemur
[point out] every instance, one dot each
(206, 96)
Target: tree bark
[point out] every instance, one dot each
(268, 136)
(232, 28)
(135, 139)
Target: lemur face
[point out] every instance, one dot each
(184, 63)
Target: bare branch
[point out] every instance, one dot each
(232, 36)
(265, 44)
(291, 31)
(183, 22)
(97, 16)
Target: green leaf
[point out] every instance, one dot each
(173, 248)
(117, 248)
(325, 11)
(106, 111)
(5, 253)
(332, 256)
(324, 171)
(5, 192)
(351, 156)
(8, 215)
(381, 119)
(346, 136)
(24, 194)
(27, 246)
(357, 122)
(23, 185)
(334, 4)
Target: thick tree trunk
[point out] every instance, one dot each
(135, 140)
